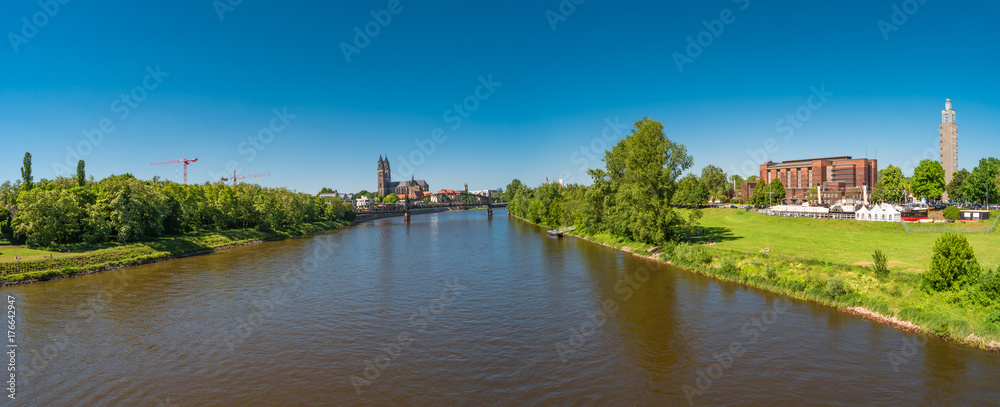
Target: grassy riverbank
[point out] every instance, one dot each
(826, 261)
(54, 262)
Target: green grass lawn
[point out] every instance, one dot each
(835, 241)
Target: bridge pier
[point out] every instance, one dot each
(406, 211)
(489, 208)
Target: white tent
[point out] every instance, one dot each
(862, 214)
(891, 214)
(877, 214)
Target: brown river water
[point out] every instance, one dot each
(456, 309)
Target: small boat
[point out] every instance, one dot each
(553, 233)
(914, 214)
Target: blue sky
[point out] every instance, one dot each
(552, 92)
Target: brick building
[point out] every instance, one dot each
(840, 177)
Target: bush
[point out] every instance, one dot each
(835, 287)
(953, 265)
(951, 213)
(994, 317)
(692, 254)
(729, 268)
(989, 284)
(771, 273)
(880, 264)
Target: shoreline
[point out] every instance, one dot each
(900, 324)
(67, 272)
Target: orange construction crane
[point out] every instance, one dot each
(235, 178)
(182, 160)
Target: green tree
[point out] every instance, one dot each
(759, 194)
(133, 210)
(325, 190)
(9, 192)
(513, 189)
(891, 185)
(736, 185)
(953, 264)
(391, 198)
(81, 175)
(637, 186)
(714, 182)
(955, 188)
(980, 186)
(777, 192)
(928, 180)
(691, 191)
(47, 217)
(813, 194)
(27, 181)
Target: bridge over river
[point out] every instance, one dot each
(407, 207)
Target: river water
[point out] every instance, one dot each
(456, 309)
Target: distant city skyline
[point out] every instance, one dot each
(482, 93)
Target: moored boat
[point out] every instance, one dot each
(915, 214)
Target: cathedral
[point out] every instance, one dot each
(415, 188)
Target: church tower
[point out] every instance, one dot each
(384, 175)
(949, 141)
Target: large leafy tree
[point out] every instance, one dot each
(132, 210)
(956, 188)
(635, 190)
(48, 217)
(928, 180)
(391, 198)
(891, 185)
(691, 191)
(27, 181)
(981, 186)
(515, 187)
(714, 182)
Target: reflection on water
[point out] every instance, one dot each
(456, 309)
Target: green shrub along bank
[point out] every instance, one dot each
(81, 258)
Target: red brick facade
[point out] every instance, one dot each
(840, 177)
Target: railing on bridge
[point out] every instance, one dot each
(406, 205)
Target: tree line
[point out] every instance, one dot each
(981, 185)
(631, 198)
(122, 208)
